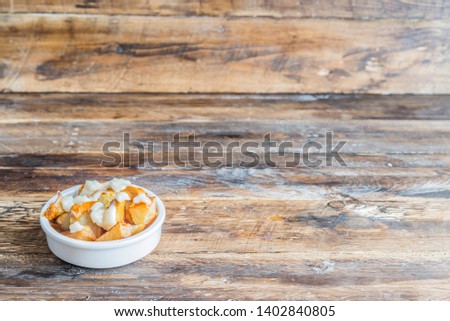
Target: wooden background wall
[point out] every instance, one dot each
(239, 46)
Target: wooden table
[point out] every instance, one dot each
(378, 229)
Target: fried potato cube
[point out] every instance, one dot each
(55, 209)
(63, 221)
(133, 191)
(86, 220)
(138, 229)
(142, 213)
(120, 211)
(115, 233)
(106, 198)
(127, 216)
(56, 226)
(85, 234)
(80, 209)
(119, 231)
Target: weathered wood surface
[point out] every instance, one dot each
(359, 9)
(378, 229)
(73, 128)
(99, 53)
(300, 183)
(221, 107)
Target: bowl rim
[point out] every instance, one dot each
(92, 245)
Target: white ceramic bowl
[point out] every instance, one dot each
(106, 254)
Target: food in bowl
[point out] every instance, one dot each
(103, 211)
(100, 255)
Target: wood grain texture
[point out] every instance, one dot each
(91, 137)
(250, 250)
(349, 227)
(222, 277)
(388, 127)
(92, 160)
(249, 183)
(377, 229)
(180, 108)
(95, 53)
(358, 9)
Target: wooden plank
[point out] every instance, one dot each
(73, 123)
(93, 160)
(231, 277)
(17, 108)
(63, 130)
(318, 228)
(78, 53)
(365, 137)
(320, 183)
(359, 9)
(274, 250)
